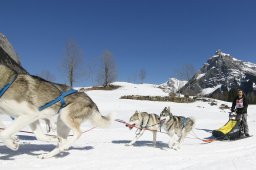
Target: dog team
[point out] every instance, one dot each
(177, 127)
(30, 98)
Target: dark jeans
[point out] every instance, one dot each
(244, 122)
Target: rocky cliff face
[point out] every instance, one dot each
(220, 74)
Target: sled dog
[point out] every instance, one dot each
(144, 121)
(177, 127)
(27, 93)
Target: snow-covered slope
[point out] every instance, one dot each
(138, 89)
(104, 149)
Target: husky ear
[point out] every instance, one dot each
(168, 108)
(139, 115)
(82, 90)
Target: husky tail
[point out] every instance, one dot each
(192, 119)
(190, 124)
(101, 121)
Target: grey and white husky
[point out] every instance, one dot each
(27, 93)
(177, 127)
(144, 121)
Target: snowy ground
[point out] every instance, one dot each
(104, 149)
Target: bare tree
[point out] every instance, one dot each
(186, 72)
(142, 75)
(72, 62)
(108, 72)
(47, 75)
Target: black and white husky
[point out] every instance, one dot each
(177, 127)
(144, 121)
(27, 93)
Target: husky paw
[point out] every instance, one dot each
(46, 155)
(42, 156)
(64, 147)
(15, 138)
(176, 148)
(171, 146)
(55, 139)
(12, 144)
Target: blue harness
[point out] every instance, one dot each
(49, 104)
(7, 86)
(58, 99)
(184, 121)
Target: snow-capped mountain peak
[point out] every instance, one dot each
(172, 85)
(222, 72)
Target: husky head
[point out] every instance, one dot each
(165, 115)
(135, 119)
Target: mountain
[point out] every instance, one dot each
(172, 85)
(221, 74)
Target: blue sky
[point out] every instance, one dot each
(159, 36)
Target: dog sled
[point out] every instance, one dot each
(232, 130)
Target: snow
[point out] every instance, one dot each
(104, 149)
(214, 56)
(141, 89)
(224, 54)
(200, 76)
(249, 67)
(173, 85)
(219, 54)
(207, 91)
(249, 64)
(235, 59)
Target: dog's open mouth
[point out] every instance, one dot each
(162, 121)
(130, 126)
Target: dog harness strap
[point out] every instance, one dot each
(61, 99)
(6, 87)
(141, 125)
(184, 121)
(148, 120)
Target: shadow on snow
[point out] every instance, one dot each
(34, 150)
(159, 144)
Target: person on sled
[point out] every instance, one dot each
(239, 106)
